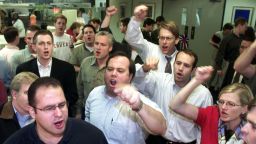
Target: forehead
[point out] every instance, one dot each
(165, 32)
(231, 96)
(88, 29)
(31, 33)
(101, 38)
(183, 57)
(60, 20)
(251, 116)
(119, 61)
(42, 38)
(49, 95)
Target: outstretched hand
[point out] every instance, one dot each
(128, 94)
(203, 73)
(111, 10)
(140, 12)
(150, 64)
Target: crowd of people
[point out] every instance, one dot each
(80, 85)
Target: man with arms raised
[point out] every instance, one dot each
(121, 112)
(162, 87)
(168, 38)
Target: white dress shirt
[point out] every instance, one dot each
(44, 71)
(145, 48)
(161, 88)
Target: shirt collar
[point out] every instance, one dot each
(90, 49)
(173, 54)
(93, 62)
(41, 66)
(21, 117)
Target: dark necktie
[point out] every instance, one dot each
(168, 67)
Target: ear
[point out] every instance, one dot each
(110, 49)
(193, 71)
(32, 112)
(130, 78)
(14, 94)
(177, 40)
(244, 109)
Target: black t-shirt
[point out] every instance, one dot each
(77, 132)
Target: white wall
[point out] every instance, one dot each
(241, 3)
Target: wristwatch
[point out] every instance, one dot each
(139, 107)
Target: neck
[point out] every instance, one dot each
(110, 93)
(236, 32)
(232, 125)
(102, 62)
(46, 137)
(44, 62)
(89, 44)
(11, 45)
(19, 110)
(171, 51)
(59, 34)
(181, 84)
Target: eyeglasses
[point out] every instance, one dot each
(162, 38)
(229, 104)
(52, 108)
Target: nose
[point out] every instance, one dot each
(180, 67)
(114, 73)
(58, 112)
(224, 106)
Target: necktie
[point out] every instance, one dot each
(168, 67)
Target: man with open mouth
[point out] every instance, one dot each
(49, 108)
(123, 114)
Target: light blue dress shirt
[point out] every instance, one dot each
(119, 123)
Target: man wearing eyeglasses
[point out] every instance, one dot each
(168, 38)
(15, 113)
(48, 106)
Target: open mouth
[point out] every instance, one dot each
(46, 53)
(113, 82)
(59, 124)
(164, 47)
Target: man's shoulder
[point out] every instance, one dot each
(61, 63)
(82, 130)
(201, 96)
(88, 60)
(24, 135)
(201, 89)
(27, 64)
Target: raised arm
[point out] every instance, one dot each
(110, 11)
(151, 117)
(178, 103)
(134, 35)
(243, 62)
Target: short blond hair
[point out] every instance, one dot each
(22, 78)
(243, 91)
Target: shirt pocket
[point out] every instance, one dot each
(117, 133)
